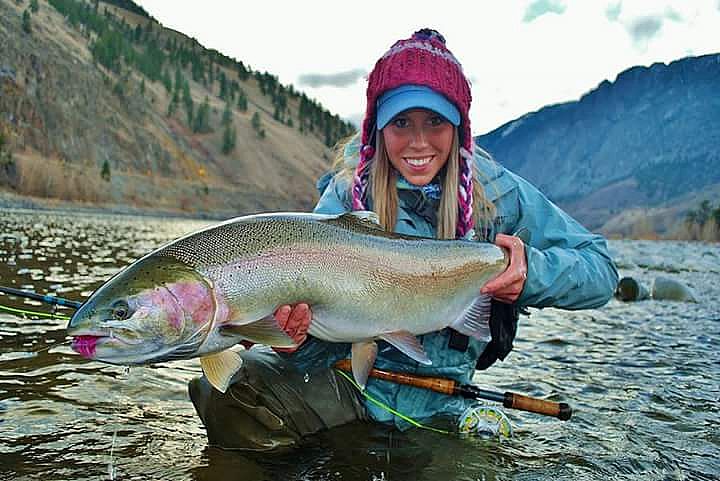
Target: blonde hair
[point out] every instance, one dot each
(383, 179)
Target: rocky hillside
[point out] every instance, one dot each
(102, 105)
(641, 149)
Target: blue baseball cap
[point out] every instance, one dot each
(408, 97)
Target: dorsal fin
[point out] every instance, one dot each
(367, 217)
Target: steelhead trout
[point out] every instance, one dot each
(202, 294)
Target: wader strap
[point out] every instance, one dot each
(458, 341)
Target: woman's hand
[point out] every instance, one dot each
(509, 284)
(295, 322)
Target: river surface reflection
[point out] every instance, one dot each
(643, 377)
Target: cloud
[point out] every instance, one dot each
(612, 12)
(539, 8)
(673, 15)
(339, 79)
(643, 29)
(356, 119)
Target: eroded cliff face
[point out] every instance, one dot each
(647, 140)
(73, 129)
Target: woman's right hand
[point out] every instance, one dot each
(295, 322)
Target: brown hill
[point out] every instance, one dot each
(87, 115)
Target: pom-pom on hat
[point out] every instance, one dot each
(421, 60)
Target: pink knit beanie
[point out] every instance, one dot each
(422, 59)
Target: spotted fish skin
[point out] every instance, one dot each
(361, 282)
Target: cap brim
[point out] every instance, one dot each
(415, 99)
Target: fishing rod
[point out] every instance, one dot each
(451, 387)
(58, 301)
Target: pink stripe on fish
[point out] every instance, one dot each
(85, 346)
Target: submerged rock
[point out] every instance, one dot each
(663, 288)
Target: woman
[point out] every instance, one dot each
(416, 166)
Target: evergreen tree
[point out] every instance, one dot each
(234, 87)
(189, 111)
(201, 123)
(167, 81)
(227, 114)
(329, 136)
(188, 103)
(255, 121)
(178, 79)
(34, 6)
(223, 86)
(229, 138)
(26, 22)
(242, 102)
(105, 171)
(257, 125)
(142, 87)
(173, 105)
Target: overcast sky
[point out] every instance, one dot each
(520, 55)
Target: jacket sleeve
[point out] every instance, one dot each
(568, 266)
(334, 197)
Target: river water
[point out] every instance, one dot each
(644, 379)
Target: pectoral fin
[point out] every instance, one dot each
(363, 359)
(265, 331)
(408, 344)
(220, 368)
(475, 320)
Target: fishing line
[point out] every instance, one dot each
(112, 469)
(384, 406)
(58, 301)
(14, 310)
(28, 312)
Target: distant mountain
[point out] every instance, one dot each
(647, 142)
(100, 104)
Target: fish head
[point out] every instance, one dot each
(156, 309)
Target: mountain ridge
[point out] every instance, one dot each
(101, 105)
(642, 141)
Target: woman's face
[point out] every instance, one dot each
(418, 143)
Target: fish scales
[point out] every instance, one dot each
(361, 282)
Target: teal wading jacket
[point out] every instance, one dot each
(568, 267)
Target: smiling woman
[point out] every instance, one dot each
(416, 166)
(418, 143)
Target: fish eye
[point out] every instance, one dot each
(120, 310)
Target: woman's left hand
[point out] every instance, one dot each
(509, 284)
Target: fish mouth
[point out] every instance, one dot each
(86, 345)
(86, 342)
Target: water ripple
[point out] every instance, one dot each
(642, 378)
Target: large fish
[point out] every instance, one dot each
(202, 294)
